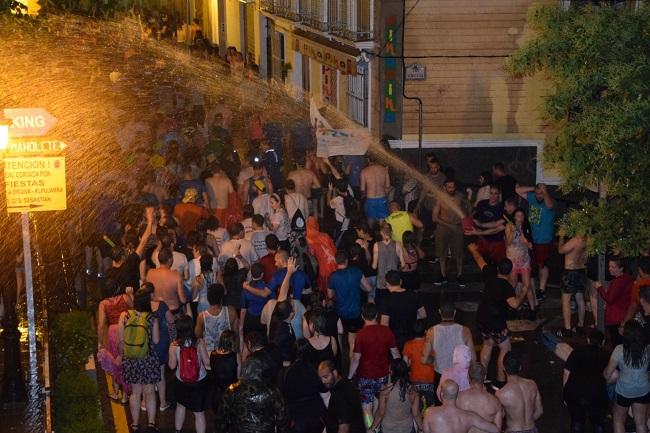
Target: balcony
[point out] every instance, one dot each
(349, 19)
(284, 8)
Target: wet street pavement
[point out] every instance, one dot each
(538, 363)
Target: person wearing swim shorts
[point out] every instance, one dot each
(375, 184)
(374, 347)
(574, 280)
(498, 296)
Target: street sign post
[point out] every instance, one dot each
(29, 122)
(34, 181)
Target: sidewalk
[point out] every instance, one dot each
(28, 416)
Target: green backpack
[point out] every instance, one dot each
(136, 335)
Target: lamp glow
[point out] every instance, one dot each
(4, 136)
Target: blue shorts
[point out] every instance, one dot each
(369, 388)
(376, 208)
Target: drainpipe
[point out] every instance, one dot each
(413, 98)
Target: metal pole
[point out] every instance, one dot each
(13, 382)
(602, 266)
(188, 32)
(29, 287)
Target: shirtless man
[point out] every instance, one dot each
(574, 280)
(304, 179)
(478, 400)
(219, 188)
(168, 284)
(375, 183)
(449, 418)
(520, 398)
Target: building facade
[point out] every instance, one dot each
(472, 110)
(317, 48)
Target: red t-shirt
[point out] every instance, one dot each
(268, 263)
(617, 298)
(374, 342)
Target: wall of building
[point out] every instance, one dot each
(466, 91)
(233, 24)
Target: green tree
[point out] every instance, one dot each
(596, 59)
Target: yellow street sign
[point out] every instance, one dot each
(35, 183)
(40, 146)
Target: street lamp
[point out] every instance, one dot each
(4, 132)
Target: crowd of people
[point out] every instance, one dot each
(284, 294)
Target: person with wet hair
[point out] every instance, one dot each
(301, 387)
(478, 400)
(498, 297)
(520, 398)
(399, 402)
(142, 372)
(191, 393)
(628, 367)
(252, 405)
(450, 418)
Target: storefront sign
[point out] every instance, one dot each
(390, 70)
(326, 55)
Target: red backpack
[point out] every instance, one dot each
(189, 365)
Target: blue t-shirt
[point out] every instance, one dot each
(253, 303)
(346, 283)
(299, 282)
(486, 213)
(541, 220)
(356, 165)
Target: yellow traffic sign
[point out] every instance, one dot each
(35, 183)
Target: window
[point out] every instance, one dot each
(358, 96)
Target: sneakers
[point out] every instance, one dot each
(440, 281)
(460, 281)
(541, 295)
(564, 333)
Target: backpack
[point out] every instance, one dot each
(298, 222)
(189, 365)
(136, 335)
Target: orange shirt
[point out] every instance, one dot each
(635, 288)
(420, 373)
(188, 214)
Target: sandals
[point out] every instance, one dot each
(135, 428)
(113, 397)
(151, 428)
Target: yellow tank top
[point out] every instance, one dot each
(400, 222)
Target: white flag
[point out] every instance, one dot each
(333, 142)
